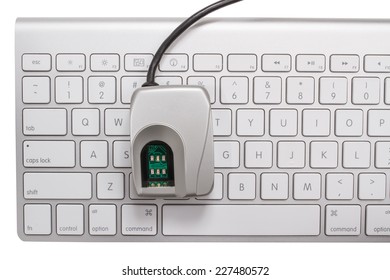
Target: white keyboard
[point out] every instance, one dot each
(301, 113)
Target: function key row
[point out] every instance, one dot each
(207, 63)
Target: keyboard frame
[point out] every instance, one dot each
(273, 36)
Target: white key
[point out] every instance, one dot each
(57, 185)
(101, 90)
(323, 154)
(117, 122)
(121, 151)
(379, 122)
(283, 122)
(382, 155)
(349, 123)
(250, 122)
(365, 91)
(44, 122)
(300, 90)
(36, 62)
(333, 90)
(232, 220)
(36, 90)
(276, 63)
(37, 219)
(372, 186)
(291, 154)
(242, 62)
(242, 186)
(356, 154)
(267, 90)
(217, 191)
(94, 154)
(138, 62)
(105, 62)
(339, 186)
(208, 83)
(102, 219)
(169, 80)
(128, 86)
(316, 123)
(378, 220)
(342, 220)
(174, 63)
(69, 90)
(139, 220)
(258, 154)
(49, 154)
(226, 154)
(377, 63)
(274, 186)
(387, 90)
(307, 186)
(70, 62)
(344, 63)
(310, 63)
(222, 122)
(85, 122)
(110, 185)
(208, 62)
(70, 219)
(234, 90)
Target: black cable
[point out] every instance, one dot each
(150, 81)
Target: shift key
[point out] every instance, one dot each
(49, 153)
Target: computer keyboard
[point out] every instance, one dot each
(301, 114)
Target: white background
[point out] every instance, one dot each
(27, 260)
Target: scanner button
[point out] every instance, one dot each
(174, 63)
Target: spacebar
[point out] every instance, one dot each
(294, 220)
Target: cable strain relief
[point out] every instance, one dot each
(150, 84)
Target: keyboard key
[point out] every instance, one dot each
(94, 154)
(333, 90)
(283, 122)
(121, 152)
(323, 154)
(365, 90)
(70, 62)
(349, 123)
(339, 186)
(234, 90)
(274, 186)
(36, 90)
(387, 90)
(69, 90)
(139, 220)
(102, 90)
(208, 83)
(242, 62)
(138, 62)
(372, 186)
(242, 186)
(310, 63)
(232, 220)
(85, 122)
(37, 219)
(105, 62)
(44, 122)
(342, 220)
(169, 80)
(300, 90)
(356, 154)
(217, 191)
(316, 122)
(70, 219)
(250, 122)
(377, 63)
(276, 63)
(267, 90)
(307, 186)
(344, 63)
(226, 154)
(379, 122)
(258, 154)
(36, 62)
(110, 186)
(117, 122)
(174, 63)
(291, 154)
(378, 220)
(208, 62)
(382, 155)
(57, 185)
(49, 154)
(102, 219)
(128, 87)
(222, 124)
